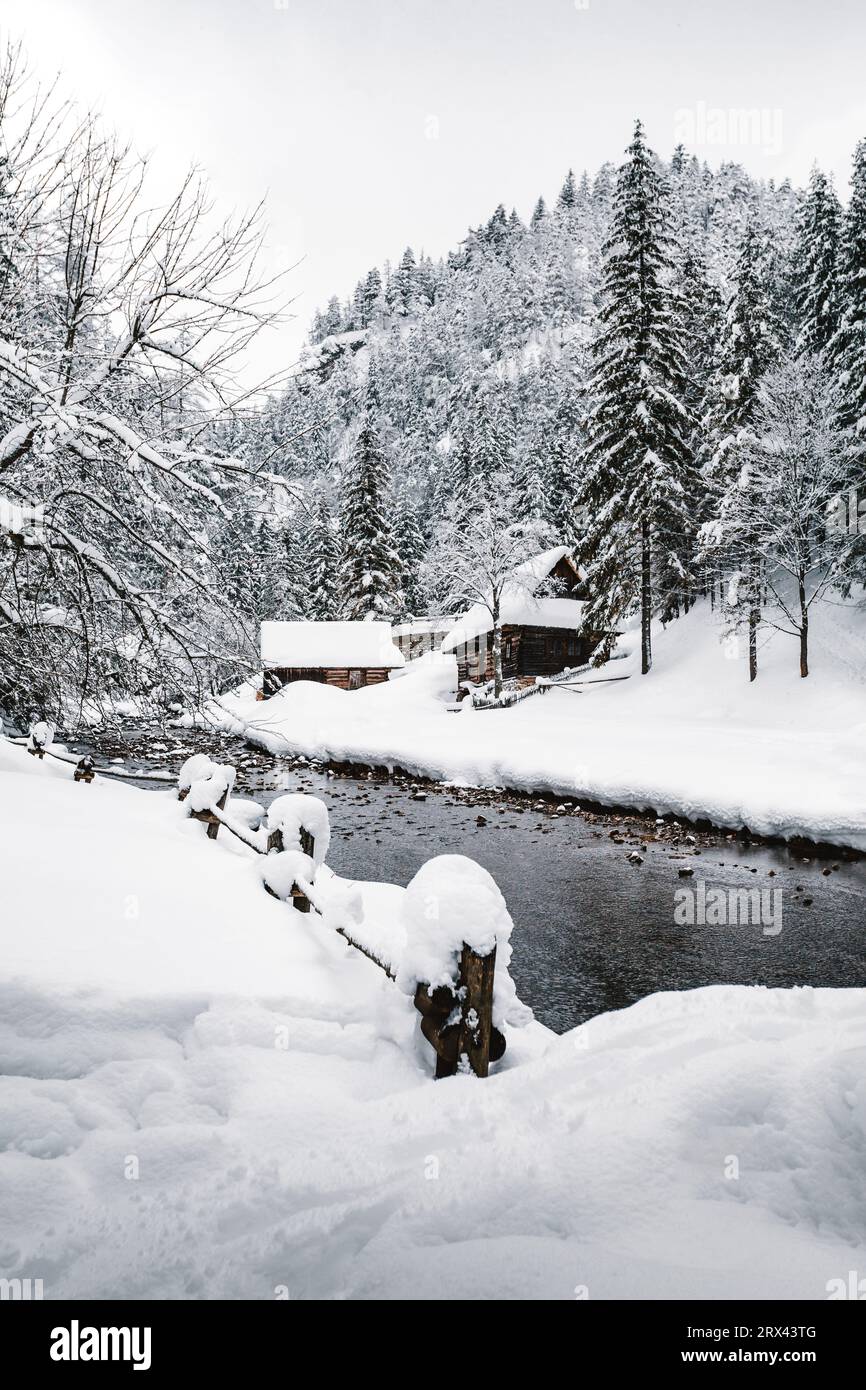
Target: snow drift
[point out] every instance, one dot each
(205, 1094)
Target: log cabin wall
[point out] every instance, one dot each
(344, 677)
(527, 652)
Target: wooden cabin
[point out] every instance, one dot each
(417, 636)
(348, 655)
(541, 621)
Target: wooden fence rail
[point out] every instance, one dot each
(456, 1020)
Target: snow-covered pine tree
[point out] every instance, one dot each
(404, 283)
(751, 343)
(371, 565)
(847, 348)
(816, 265)
(638, 463)
(568, 193)
(411, 546)
(324, 563)
(482, 424)
(539, 213)
(565, 450)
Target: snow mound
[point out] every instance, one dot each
(282, 871)
(210, 786)
(156, 1003)
(296, 811)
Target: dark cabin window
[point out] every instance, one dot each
(508, 649)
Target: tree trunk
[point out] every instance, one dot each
(754, 619)
(804, 625)
(497, 652)
(646, 656)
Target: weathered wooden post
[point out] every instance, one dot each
(455, 921)
(213, 825)
(84, 771)
(476, 1025)
(470, 1008)
(307, 845)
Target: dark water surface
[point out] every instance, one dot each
(592, 930)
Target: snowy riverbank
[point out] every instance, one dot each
(206, 1094)
(783, 757)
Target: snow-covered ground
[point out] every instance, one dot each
(207, 1094)
(784, 756)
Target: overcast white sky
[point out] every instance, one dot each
(376, 124)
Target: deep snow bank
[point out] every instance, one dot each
(784, 756)
(205, 1094)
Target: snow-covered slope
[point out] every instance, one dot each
(206, 1094)
(783, 756)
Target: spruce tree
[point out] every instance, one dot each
(565, 455)
(539, 213)
(411, 547)
(638, 460)
(324, 563)
(847, 348)
(404, 283)
(568, 193)
(816, 259)
(751, 343)
(371, 565)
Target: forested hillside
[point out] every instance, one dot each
(605, 371)
(665, 365)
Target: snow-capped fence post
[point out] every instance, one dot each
(298, 825)
(84, 771)
(300, 901)
(455, 979)
(40, 737)
(209, 784)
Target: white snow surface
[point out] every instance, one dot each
(193, 770)
(783, 756)
(207, 1094)
(337, 644)
(282, 871)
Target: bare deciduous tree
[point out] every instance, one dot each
(475, 560)
(120, 327)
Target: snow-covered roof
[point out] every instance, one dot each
(329, 645)
(518, 604)
(524, 612)
(537, 568)
(420, 625)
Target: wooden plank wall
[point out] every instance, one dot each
(278, 676)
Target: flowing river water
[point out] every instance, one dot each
(593, 929)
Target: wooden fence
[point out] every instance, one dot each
(456, 1020)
